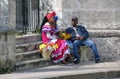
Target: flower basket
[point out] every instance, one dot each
(47, 49)
(46, 53)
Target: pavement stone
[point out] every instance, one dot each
(83, 70)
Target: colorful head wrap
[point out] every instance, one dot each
(51, 14)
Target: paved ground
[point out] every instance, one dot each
(71, 71)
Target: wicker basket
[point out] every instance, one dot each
(46, 54)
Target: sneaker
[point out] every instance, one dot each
(76, 61)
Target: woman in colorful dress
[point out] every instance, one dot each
(49, 38)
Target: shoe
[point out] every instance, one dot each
(97, 61)
(72, 60)
(76, 61)
(63, 62)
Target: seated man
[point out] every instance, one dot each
(80, 37)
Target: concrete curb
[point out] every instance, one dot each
(93, 75)
(85, 70)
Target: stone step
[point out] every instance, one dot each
(32, 64)
(27, 47)
(28, 55)
(28, 38)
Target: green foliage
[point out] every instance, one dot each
(5, 70)
(37, 30)
(19, 33)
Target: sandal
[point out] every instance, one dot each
(63, 62)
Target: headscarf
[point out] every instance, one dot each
(46, 18)
(51, 14)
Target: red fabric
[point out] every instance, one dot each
(49, 15)
(59, 42)
(61, 56)
(44, 38)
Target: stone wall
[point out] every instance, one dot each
(7, 33)
(12, 13)
(45, 7)
(8, 13)
(102, 19)
(4, 12)
(51, 5)
(94, 14)
(7, 47)
(108, 43)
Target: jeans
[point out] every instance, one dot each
(70, 45)
(76, 46)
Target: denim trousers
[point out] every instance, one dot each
(75, 47)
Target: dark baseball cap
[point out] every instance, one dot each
(74, 18)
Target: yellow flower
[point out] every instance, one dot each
(55, 46)
(41, 46)
(65, 35)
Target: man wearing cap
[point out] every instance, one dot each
(79, 37)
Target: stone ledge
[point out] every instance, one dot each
(28, 38)
(6, 29)
(27, 35)
(104, 33)
(97, 75)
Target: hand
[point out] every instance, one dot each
(76, 38)
(79, 38)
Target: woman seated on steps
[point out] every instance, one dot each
(49, 30)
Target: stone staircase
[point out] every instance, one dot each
(27, 54)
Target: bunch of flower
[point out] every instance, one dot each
(65, 35)
(50, 47)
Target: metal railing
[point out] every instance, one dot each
(28, 18)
